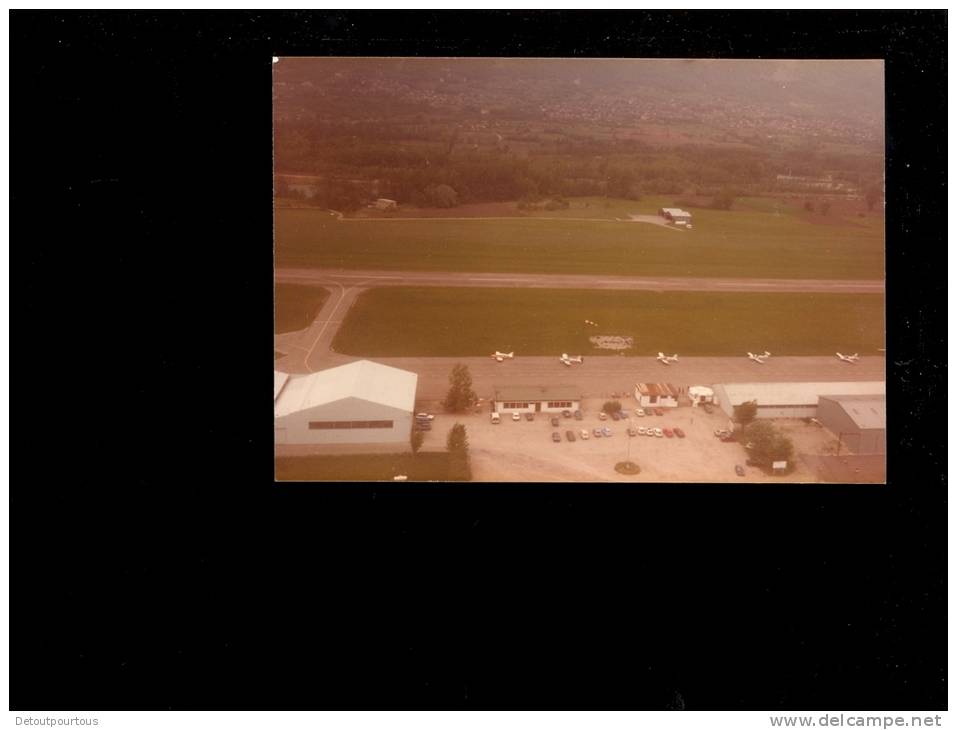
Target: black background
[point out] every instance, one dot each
(154, 564)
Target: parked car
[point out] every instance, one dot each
(668, 432)
(642, 431)
(615, 416)
(578, 415)
(554, 421)
(650, 432)
(623, 415)
(707, 408)
(729, 438)
(659, 433)
(529, 416)
(584, 434)
(659, 412)
(605, 431)
(516, 416)
(739, 470)
(496, 418)
(602, 415)
(566, 414)
(597, 433)
(570, 435)
(425, 416)
(640, 412)
(632, 431)
(423, 426)
(556, 437)
(679, 433)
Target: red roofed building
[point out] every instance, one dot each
(658, 395)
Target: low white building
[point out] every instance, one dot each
(657, 395)
(700, 394)
(537, 399)
(385, 204)
(359, 407)
(789, 400)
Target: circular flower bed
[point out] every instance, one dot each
(627, 467)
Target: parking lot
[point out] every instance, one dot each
(524, 451)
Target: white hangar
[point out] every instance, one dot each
(789, 400)
(358, 407)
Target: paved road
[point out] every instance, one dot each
(573, 281)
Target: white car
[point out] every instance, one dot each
(640, 412)
(584, 434)
(424, 416)
(659, 433)
(516, 416)
(602, 416)
(642, 431)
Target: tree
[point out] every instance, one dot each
(416, 439)
(441, 196)
(723, 200)
(767, 443)
(460, 396)
(611, 406)
(746, 412)
(457, 444)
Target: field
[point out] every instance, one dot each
(424, 467)
(778, 243)
(297, 306)
(459, 322)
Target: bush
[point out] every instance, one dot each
(611, 406)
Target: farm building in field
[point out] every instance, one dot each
(858, 421)
(359, 407)
(385, 204)
(788, 400)
(660, 395)
(675, 215)
(537, 399)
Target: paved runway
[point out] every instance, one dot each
(574, 281)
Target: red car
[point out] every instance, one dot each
(729, 438)
(669, 433)
(679, 433)
(659, 412)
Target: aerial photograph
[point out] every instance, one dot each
(579, 270)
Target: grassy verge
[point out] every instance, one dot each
(424, 467)
(458, 322)
(737, 243)
(297, 306)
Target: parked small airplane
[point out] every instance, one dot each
(849, 358)
(500, 356)
(759, 358)
(566, 360)
(666, 360)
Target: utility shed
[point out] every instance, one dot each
(859, 421)
(362, 406)
(537, 399)
(789, 400)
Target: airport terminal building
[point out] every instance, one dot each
(355, 408)
(537, 399)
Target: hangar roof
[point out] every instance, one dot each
(538, 392)
(362, 379)
(866, 411)
(797, 394)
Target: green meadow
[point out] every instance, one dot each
(459, 322)
(763, 239)
(297, 306)
(423, 467)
